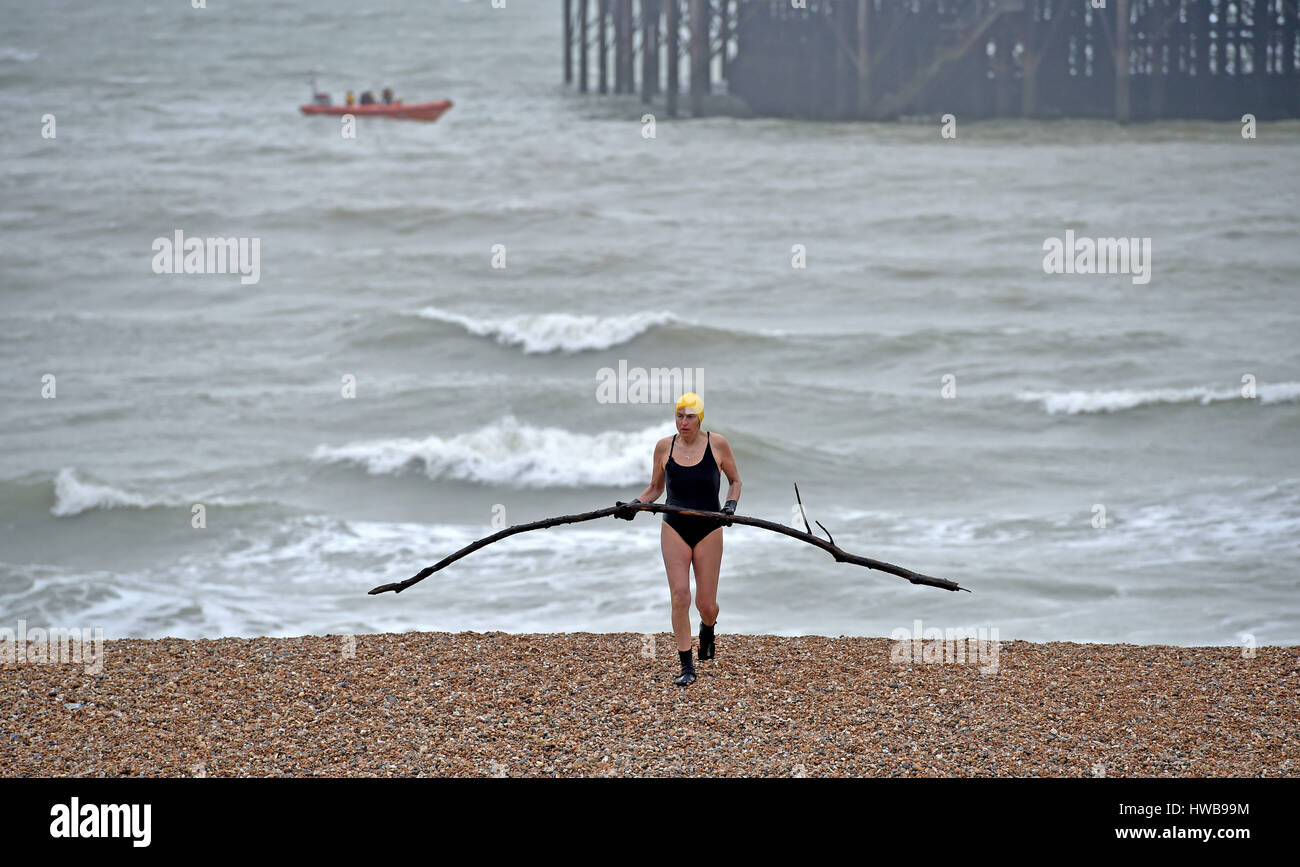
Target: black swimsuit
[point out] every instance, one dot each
(693, 487)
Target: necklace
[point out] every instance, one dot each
(690, 452)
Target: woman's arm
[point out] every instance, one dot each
(656, 488)
(727, 462)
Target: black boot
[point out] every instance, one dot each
(688, 669)
(707, 650)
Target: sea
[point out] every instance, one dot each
(423, 356)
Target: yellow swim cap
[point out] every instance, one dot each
(692, 404)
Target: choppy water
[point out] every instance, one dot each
(477, 386)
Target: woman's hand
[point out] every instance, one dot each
(625, 513)
(729, 509)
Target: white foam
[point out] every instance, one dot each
(253, 584)
(608, 578)
(72, 496)
(507, 452)
(18, 55)
(549, 332)
(1075, 402)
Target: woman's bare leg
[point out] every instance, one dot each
(708, 563)
(677, 563)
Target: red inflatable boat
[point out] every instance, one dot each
(428, 111)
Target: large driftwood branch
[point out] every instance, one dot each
(839, 555)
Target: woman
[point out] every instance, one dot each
(689, 463)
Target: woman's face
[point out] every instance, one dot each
(687, 423)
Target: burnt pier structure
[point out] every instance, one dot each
(882, 59)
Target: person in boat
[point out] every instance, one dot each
(319, 97)
(387, 96)
(352, 100)
(689, 466)
(367, 98)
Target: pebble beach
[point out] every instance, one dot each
(603, 705)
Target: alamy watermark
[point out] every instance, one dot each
(935, 646)
(1098, 256)
(638, 385)
(75, 819)
(53, 646)
(181, 255)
